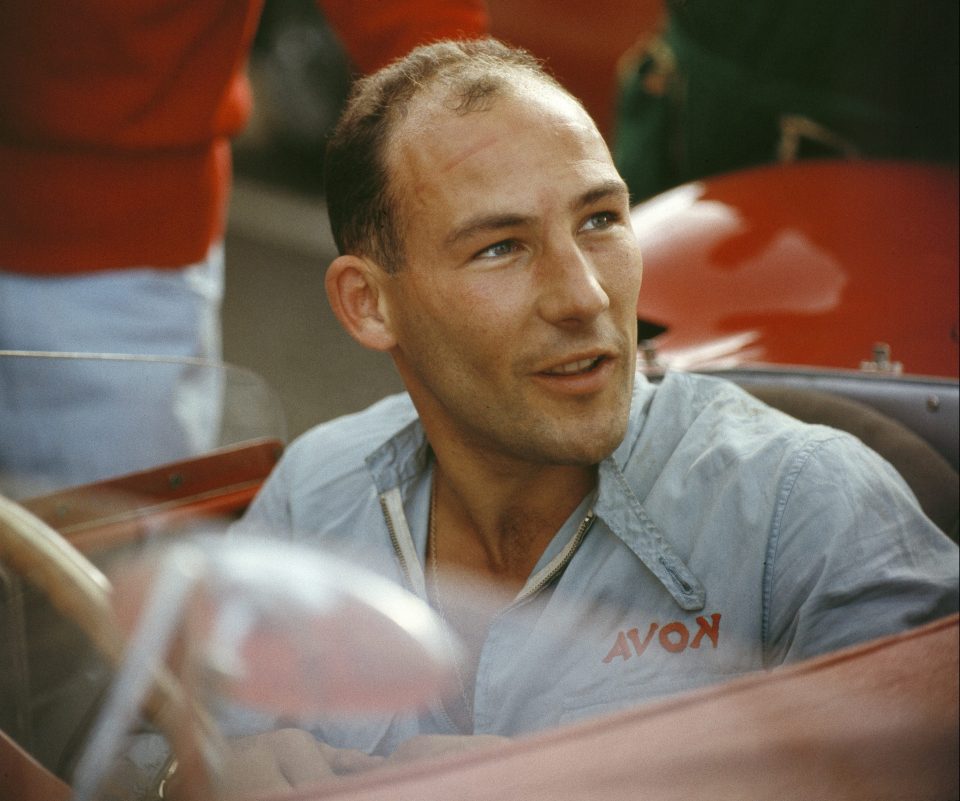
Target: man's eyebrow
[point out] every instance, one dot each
(611, 188)
(485, 223)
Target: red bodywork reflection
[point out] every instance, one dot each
(805, 264)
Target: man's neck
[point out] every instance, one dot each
(496, 521)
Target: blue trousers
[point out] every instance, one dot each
(66, 421)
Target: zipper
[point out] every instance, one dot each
(570, 549)
(525, 595)
(395, 541)
(438, 706)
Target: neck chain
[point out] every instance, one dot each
(435, 577)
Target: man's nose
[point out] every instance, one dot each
(570, 292)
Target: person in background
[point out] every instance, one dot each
(729, 84)
(115, 124)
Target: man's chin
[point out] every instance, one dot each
(583, 448)
(589, 456)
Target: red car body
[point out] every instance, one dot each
(811, 263)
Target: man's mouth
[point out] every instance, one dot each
(575, 368)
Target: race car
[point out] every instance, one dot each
(848, 319)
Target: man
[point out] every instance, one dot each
(642, 539)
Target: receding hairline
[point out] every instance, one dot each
(514, 82)
(466, 76)
(439, 99)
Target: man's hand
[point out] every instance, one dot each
(428, 745)
(278, 760)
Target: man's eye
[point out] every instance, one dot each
(601, 220)
(504, 248)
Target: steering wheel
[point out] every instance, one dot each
(82, 593)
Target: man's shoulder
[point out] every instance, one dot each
(692, 399)
(341, 446)
(690, 416)
(695, 393)
(322, 492)
(682, 401)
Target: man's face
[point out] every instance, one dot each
(515, 311)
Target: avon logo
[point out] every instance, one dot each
(673, 637)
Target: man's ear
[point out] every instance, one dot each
(354, 289)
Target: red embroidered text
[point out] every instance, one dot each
(673, 637)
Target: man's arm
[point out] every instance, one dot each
(266, 763)
(278, 760)
(851, 556)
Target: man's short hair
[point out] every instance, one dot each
(363, 209)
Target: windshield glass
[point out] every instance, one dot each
(72, 419)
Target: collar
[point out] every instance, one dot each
(619, 507)
(403, 457)
(623, 513)
(406, 456)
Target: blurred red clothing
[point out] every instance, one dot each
(116, 118)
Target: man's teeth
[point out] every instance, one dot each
(573, 367)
